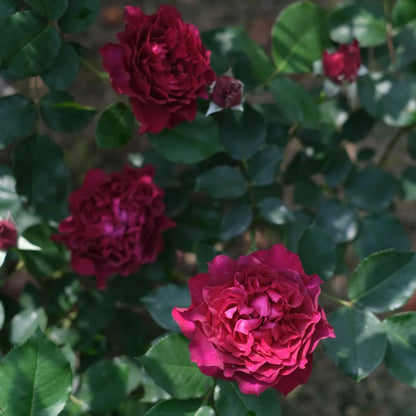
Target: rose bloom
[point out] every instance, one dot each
(255, 320)
(8, 235)
(343, 64)
(116, 223)
(161, 64)
(227, 92)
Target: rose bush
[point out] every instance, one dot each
(255, 320)
(8, 235)
(116, 223)
(161, 64)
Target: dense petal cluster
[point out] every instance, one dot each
(116, 223)
(255, 320)
(8, 234)
(342, 65)
(161, 64)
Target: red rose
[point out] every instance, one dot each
(8, 235)
(255, 320)
(342, 65)
(116, 223)
(227, 92)
(161, 64)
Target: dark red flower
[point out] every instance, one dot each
(227, 92)
(116, 223)
(161, 64)
(8, 234)
(343, 64)
(255, 320)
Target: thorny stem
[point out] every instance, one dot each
(391, 144)
(337, 300)
(103, 76)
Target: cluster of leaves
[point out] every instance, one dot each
(297, 166)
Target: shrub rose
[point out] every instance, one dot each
(227, 92)
(342, 65)
(161, 64)
(255, 320)
(8, 235)
(116, 223)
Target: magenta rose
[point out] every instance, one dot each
(161, 64)
(116, 223)
(227, 92)
(8, 235)
(255, 320)
(342, 65)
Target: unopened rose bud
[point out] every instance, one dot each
(8, 235)
(227, 92)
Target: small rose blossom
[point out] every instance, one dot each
(8, 235)
(161, 64)
(227, 92)
(116, 223)
(255, 320)
(342, 65)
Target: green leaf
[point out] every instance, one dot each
(378, 233)
(371, 189)
(411, 145)
(35, 379)
(188, 142)
(61, 113)
(168, 363)
(384, 281)
(115, 126)
(64, 69)
(79, 15)
(24, 324)
(51, 9)
(2, 315)
(358, 126)
(28, 44)
(222, 182)
(404, 44)
(161, 302)
(408, 183)
(7, 8)
(274, 211)
(263, 167)
(38, 160)
(400, 356)
(307, 193)
(338, 220)
(236, 220)
(295, 102)
(241, 137)
(299, 37)
(404, 11)
(18, 115)
(317, 253)
(359, 19)
(104, 385)
(338, 167)
(389, 98)
(229, 401)
(360, 342)
(176, 408)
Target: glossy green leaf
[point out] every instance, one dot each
(404, 11)
(360, 19)
(38, 160)
(177, 408)
(378, 233)
(316, 250)
(64, 69)
(7, 8)
(79, 15)
(28, 43)
(371, 189)
(400, 356)
(384, 281)
(404, 43)
(337, 168)
(241, 136)
(51, 9)
(263, 167)
(188, 142)
(222, 182)
(357, 127)
(2, 315)
(274, 211)
(408, 183)
(35, 379)
(295, 102)
(307, 193)
(168, 363)
(18, 115)
(161, 302)
(61, 113)
(236, 220)
(115, 126)
(299, 36)
(24, 324)
(359, 343)
(229, 401)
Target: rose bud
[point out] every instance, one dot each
(8, 235)
(227, 92)
(255, 320)
(116, 223)
(342, 65)
(161, 64)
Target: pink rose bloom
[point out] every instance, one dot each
(343, 64)
(227, 92)
(116, 223)
(255, 320)
(8, 235)
(161, 64)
